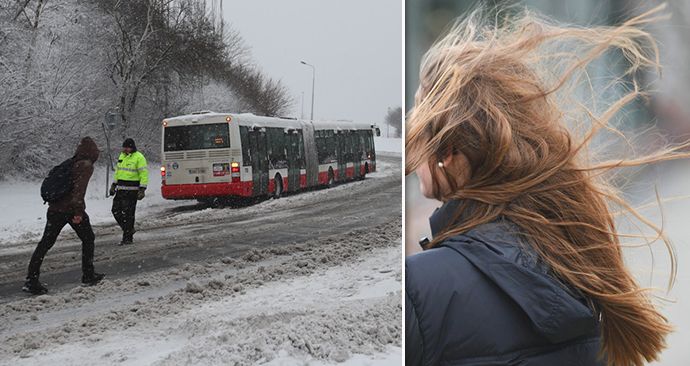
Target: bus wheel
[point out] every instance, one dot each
(278, 180)
(214, 202)
(331, 177)
(209, 202)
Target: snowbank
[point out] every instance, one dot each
(23, 214)
(331, 300)
(388, 146)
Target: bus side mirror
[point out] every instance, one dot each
(378, 132)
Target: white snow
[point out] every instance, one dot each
(331, 301)
(22, 212)
(389, 146)
(392, 357)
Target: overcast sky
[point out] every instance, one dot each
(356, 46)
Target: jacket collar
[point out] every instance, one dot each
(447, 215)
(496, 249)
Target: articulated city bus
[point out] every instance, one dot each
(209, 155)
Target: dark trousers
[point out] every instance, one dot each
(124, 209)
(54, 224)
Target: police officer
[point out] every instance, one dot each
(131, 178)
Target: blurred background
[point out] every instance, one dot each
(662, 119)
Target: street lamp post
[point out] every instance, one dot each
(313, 81)
(301, 115)
(113, 119)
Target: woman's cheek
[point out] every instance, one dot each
(424, 176)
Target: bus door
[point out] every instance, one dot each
(257, 142)
(294, 159)
(342, 155)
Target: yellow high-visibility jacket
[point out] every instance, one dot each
(132, 168)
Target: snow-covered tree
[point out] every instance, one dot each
(64, 64)
(394, 119)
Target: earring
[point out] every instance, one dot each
(440, 164)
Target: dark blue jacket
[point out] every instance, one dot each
(484, 298)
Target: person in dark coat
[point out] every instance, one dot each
(525, 266)
(69, 210)
(484, 298)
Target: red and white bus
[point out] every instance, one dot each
(209, 155)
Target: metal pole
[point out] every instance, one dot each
(313, 83)
(109, 118)
(301, 116)
(109, 165)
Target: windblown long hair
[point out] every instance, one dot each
(494, 92)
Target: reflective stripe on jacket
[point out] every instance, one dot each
(133, 168)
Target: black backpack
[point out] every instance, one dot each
(58, 183)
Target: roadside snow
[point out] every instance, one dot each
(22, 212)
(388, 146)
(392, 357)
(330, 300)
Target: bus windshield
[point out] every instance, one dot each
(197, 137)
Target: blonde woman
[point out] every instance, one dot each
(525, 266)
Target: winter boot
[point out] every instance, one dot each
(127, 239)
(92, 280)
(34, 287)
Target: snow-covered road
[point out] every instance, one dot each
(189, 232)
(311, 278)
(331, 299)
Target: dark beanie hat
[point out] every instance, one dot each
(129, 143)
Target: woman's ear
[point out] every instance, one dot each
(459, 165)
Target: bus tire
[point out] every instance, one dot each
(331, 178)
(213, 202)
(278, 184)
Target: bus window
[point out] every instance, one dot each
(361, 145)
(350, 146)
(369, 142)
(330, 143)
(346, 146)
(197, 137)
(246, 151)
(277, 154)
(321, 146)
(371, 149)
